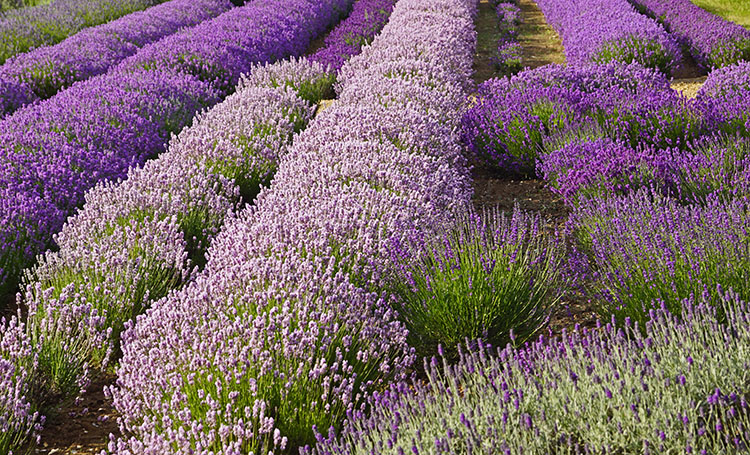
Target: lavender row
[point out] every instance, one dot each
(135, 241)
(603, 31)
(712, 40)
(288, 326)
(52, 152)
(508, 126)
(367, 18)
(28, 28)
(680, 387)
(507, 58)
(41, 73)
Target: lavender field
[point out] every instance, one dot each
(334, 227)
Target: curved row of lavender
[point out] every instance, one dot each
(367, 18)
(28, 28)
(53, 151)
(289, 327)
(712, 40)
(602, 31)
(43, 72)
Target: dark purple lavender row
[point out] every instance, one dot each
(28, 28)
(603, 31)
(52, 152)
(43, 72)
(713, 41)
(289, 326)
(367, 18)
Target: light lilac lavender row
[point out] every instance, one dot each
(602, 31)
(43, 72)
(677, 385)
(134, 241)
(367, 18)
(28, 28)
(53, 151)
(288, 326)
(712, 40)
(19, 420)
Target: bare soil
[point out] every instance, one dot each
(84, 427)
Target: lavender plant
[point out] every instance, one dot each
(287, 326)
(19, 420)
(46, 70)
(680, 387)
(496, 276)
(24, 29)
(645, 248)
(713, 41)
(584, 169)
(723, 99)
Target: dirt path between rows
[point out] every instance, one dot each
(541, 43)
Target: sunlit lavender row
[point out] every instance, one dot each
(602, 31)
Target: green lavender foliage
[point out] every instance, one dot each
(495, 276)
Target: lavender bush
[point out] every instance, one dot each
(45, 71)
(603, 31)
(645, 248)
(713, 41)
(367, 18)
(724, 99)
(24, 29)
(288, 327)
(586, 169)
(680, 387)
(494, 277)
